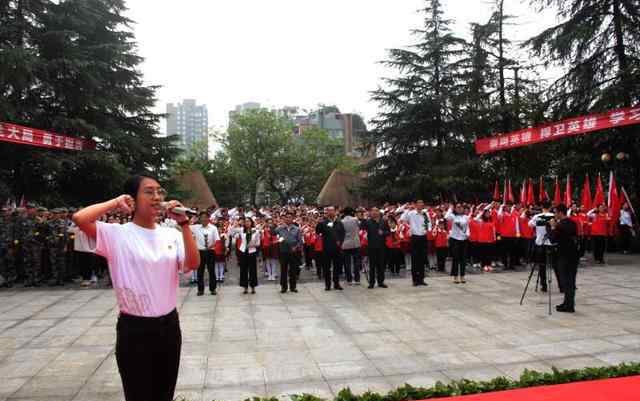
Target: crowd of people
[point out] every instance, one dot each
(39, 246)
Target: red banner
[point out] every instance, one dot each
(559, 130)
(35, 137)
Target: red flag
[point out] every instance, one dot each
(496, 192)
(586, 193)
(543, 196)
(598, 199)
(523, 193)
(568, 193)
(557, 197)
(531, 198)
(614, 203)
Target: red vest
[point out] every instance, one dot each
(600, 225)
(526, 231)
(508, 225)
(487, 232)
(442, 238)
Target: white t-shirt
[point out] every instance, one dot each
(200, 232)
(144, 266)
(81, 241)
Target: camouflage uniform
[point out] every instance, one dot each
(35, 232)
(7, 259)
(58, 237)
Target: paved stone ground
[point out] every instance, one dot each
(58, 345)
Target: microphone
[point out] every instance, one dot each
(179, 210)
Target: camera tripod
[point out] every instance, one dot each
(548, 250)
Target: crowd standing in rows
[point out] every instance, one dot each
(39, 246)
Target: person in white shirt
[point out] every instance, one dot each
(626, 228)
(458, 241)
(420, 224)
(84, 247)
(247, 240)
(206, 236)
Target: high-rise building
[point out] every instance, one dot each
(189, 122)
(243, 107)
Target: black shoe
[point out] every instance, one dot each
(245, 291)
(283, 291)
(28, 284)
(337, 287)
(327, 288)
(214, 292)
(423, 283)
(415, 284)
(370, 286)
(563, 308)
(383, 286)
(294, 290)
(253, 290)
(36, 284)
(543, 289)
(200, 293)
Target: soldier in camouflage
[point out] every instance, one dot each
(34, 229)
(57, 241)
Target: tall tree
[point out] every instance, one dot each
(419, 125)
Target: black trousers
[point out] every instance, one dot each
(599, 242)
(248, 269)
(308, 256)
(509, 248)
(352, 264)
(320, 261)
(625, 238)
(441, 257)
(207, 259)
(545, 256)
(485, 253)
(335, 260)
(567, 270)
(393, 259)
(418, 258)
(86, 263)
(148, 356)
(289, 265)
(376, 266)
(459, 257)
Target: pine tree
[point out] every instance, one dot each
(419, 126)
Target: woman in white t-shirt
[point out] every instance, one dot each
(144, 260)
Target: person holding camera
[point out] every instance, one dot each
(543, 244)
(564, 233)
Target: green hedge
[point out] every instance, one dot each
(529, 378)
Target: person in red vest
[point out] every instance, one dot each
(441, 240)
(269, 256)
(308, 234)
(508, 218)
(392, 241)
(487, 238)
(578, 216)
(405, 243)
(474, 227)
(600, 221)
(221, 251)
(318, 254)
(527, 235)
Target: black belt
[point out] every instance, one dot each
(171, 317)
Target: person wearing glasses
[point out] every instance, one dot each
(144, 261)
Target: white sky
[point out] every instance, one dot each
(287, 52)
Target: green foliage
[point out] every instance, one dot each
(71, 67)
(529, 378)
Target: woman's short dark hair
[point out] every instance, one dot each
(132, 185)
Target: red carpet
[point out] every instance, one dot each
(622, 389)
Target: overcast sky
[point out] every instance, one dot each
(287, 52)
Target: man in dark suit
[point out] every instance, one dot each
(564, 233)
(333, 234)
(377, 231)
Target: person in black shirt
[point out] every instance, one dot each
(564, 233)
(377, 231)
(333, 234)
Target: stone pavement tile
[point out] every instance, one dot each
(359, 386)
(400, 365)
(591, 346)
(232, 347)
(503, 356)
(388, 350)
(515, 370)
(103, 383)
(52, 341)
(348, 370)
(251, 359)
(88, 396)
(576, 362)
(286, 357)
(16, 369)
(91, 340)
(451, 360)
(225, 376)
(5, 324)
(10, 386)
(275, 374)
(192, 372)
(236, 393)
(195, 349)
(188, 395)
(484, 373)
(418, 380)
(431, 347)
(333, 352)
(50, 387)
(284, 391)
(629, 340)
(617, 357)
(550, 350)
(373, 340)
(34, 354)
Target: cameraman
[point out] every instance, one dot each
(543, 244)
(564, 232)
